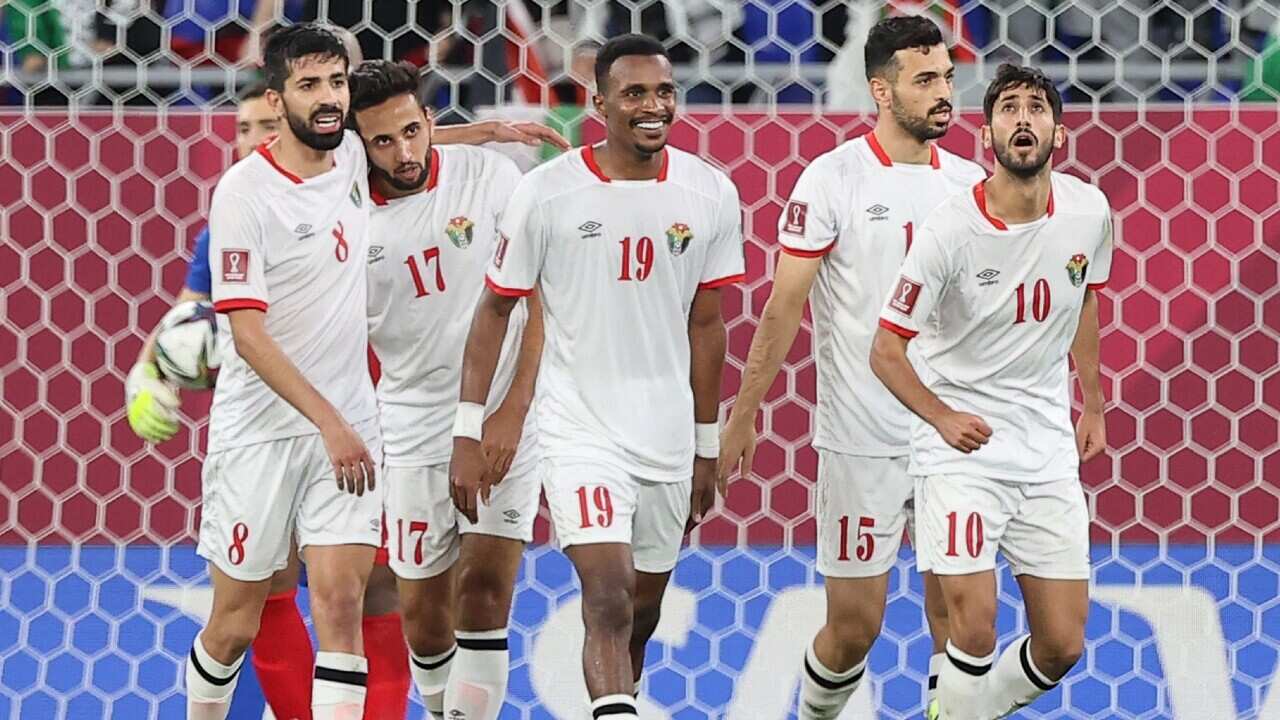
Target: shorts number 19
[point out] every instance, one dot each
(603, 514)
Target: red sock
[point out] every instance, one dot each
(389, 681)
(283, 658)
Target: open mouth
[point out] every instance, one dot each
(409, 172)
(650, 124)
(327, 122)
(1024, 140)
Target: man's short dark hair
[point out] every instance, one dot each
(1010, 76)
(253, 92)
(290, 43)
(893, 34)
(374, 82)
(622, 46)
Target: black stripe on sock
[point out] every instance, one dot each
(826, 684)
(933, 682)
(1032, 675)
(613, 709)
(208, 677)
(974, 670)
(348, 677)
(436, 664)
(483, 644)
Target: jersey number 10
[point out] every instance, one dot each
(1040, 302)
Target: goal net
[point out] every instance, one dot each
(116, 121)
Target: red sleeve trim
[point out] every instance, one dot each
(1098, 285)
(897, 329)
(506, 291)
(223, 306)
(820, 252)
(721, 282)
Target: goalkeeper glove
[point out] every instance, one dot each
(152, 403)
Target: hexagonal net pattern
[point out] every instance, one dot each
(100, 202)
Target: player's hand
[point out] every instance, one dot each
(352, 465)
(737, 448)
(152, 403)
(963, 431)
(1091, 435)
(703, 497)
(528, 133)
(467, 476)
(499, 440)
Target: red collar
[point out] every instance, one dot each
(589, 157)
(265, 151)
(874, 143)
(980, 197)
(433, 179)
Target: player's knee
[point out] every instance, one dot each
(608, 609)
(1057, 655)
(230, 635)
(971, 625)
(338, 604)
(482, 597)
(856, 631)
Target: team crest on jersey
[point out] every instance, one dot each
(1077, 266)
(460, 231)
(356, 199)
(678, 237)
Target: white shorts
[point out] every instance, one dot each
(864, 504)
(1042, 528)
(257, 496)
(593, 502)
(424, 527)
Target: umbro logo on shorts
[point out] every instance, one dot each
(590, 229)
(512, 516)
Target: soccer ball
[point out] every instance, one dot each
(187, 345)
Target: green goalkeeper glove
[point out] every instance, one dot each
(152, 403)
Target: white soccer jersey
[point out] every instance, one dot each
(294, 248)
(858, 210)
(617, 264)
(427, 258)
(996, 308)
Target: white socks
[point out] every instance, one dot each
(963, 685)
(431, 675)
(824, 692)
(210, 684)
(477, 684)
(1016, 681)
(338, 691)
(936, 662)
(613, 706)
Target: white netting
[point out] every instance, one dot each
(118, 126)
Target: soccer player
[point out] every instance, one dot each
(844, 232)
(628, 244)
(999, 286)
(293, 439)
(434, 229)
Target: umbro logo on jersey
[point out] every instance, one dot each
(375, 253)
(590, 229)
(878, 212)
(303, 232)
(988, 277)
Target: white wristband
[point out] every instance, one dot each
(469, 421)
(706, 440)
